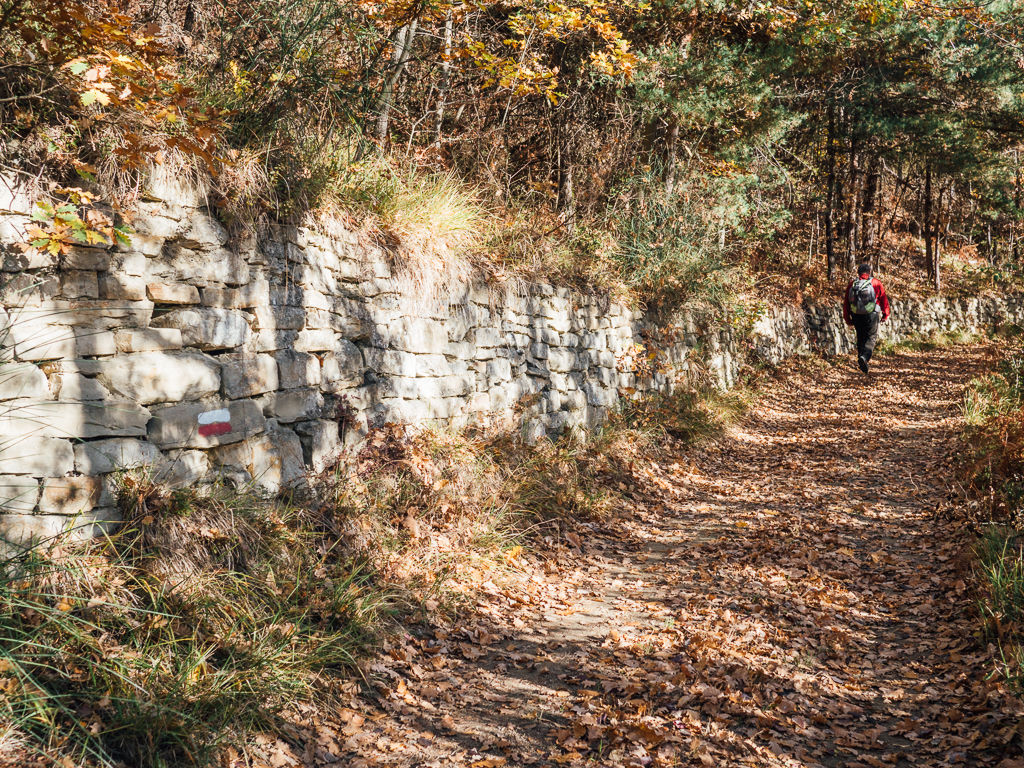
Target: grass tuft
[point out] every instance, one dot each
(204, 617)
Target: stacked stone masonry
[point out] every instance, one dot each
(258, 361)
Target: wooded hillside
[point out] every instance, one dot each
(658, 146)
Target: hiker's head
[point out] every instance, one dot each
(864, 270)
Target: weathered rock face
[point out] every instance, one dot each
(198, 358)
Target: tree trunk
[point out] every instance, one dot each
(404, 39)
(853, 208)
(442, 91)
(929, 251)
(869, 206)
(830, 195)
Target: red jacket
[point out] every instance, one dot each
(880, 298)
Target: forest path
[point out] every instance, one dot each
(783, 597)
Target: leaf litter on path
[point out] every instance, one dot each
(783, 597)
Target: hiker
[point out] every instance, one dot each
(865, 305)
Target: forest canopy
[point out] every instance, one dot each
(658, 143)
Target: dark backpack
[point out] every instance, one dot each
(862, 297)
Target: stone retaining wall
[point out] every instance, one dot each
(798, 330)
(256, 361)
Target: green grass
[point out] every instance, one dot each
(999, 570)
(924, 343)
(688, 414)
(198, 622)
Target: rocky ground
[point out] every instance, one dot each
(787, 596)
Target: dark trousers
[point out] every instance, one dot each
(867, 333)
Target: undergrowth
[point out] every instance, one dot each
(924, 342)
(213, 610)
(204, 616)
(991, 468)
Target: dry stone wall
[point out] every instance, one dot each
(257, 361)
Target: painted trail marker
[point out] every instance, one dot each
(214, 423)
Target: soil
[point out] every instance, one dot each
(792, 594)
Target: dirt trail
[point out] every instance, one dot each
(786, 597)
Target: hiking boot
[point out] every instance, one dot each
(862, 363)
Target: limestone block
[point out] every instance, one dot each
(19, 418)
(255, 294)
(552, 399)
(269, 341)
(316, 277)
(146, 245)
(148, 340)
(559, 381)
(77, 258)
(574, 400)
(350, 317)
(342, 368)
(245, 375)
(69, 495)
(203, 231)
(51, 342)
(298, 369)
(444, 408)
(280, 318)
(161, 378)
(480, 402)
(561, 359)
(395, 411)
(539, 351)
(318, 319)
(22, 380)
(459, 350)
(547, 336)
(274, 460)
(122, 287)
(205, 425)
(105, 456)
(36, 456)
(357, 398)
(321, 443)
(74, 386)
(559, 422)
(18, 494)
(14, 194)
(315, 341)
(558, 325)
(151, 225)
(423, 388)
(183, 469)
(500, 369)
(19, 532)
(178, 263)
(19, 261)
(172, 293)
(293, 405)
(486, 337)
(207, 328)
(300, 296)
(458, 325)
(27, 289)
(79, 284)
(390, 362)
(417, 334)
(484, 353)
(571, 340)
